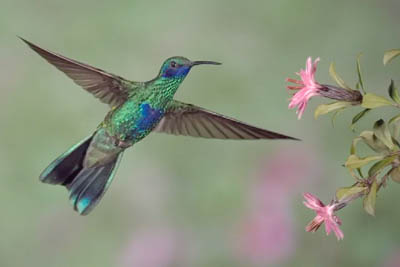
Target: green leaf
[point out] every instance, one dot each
(382, 132)
(373, 142)
(354, 162)
(326, 108)
(354, 144)
(360, 172)
(395, 124)
(348, 193)
(336, 77)
(395, 119)
(353, 152)
(390, 55)
(377, 167)
(393, 92)
(370, 199)
(395, 175)
(371, 100)
(360, 80)
(357, 117)
(333, 119)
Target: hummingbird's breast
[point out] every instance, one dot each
(134, 120)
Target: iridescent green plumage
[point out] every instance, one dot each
(137, 109)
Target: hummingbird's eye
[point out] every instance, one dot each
(172, 64)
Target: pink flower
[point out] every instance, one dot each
(324, 214)
(307, 87)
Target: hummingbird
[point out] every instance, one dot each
(136, 110)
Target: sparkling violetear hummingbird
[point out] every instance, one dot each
(137, 109)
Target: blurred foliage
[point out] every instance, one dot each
(196, 187)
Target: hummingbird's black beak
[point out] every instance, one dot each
(194, 63)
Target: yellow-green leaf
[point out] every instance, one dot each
(360, 80)
(347, 193)
(354, 162)
(357, 117)
(395, 119)
(377, 167)
(336, 77)
(373, 142)
(393, 92)
(326, 108)
(390, 55)
(354, 144)
(395, 124)
(382, 132)
(333, 118)
(371, 100)
(395, 175)
(370, 199)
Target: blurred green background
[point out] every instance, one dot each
(180, 201)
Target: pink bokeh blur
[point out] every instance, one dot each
(151, 247)
(266, 234)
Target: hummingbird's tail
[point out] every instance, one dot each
(85, 185)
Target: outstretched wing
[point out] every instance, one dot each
(190, 120)
(109, 88)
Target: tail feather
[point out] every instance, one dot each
(90, 185)
(86, 186)
(66, 166)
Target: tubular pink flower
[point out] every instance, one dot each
(324, 214)
(307, 87)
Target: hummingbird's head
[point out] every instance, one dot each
(179, 67)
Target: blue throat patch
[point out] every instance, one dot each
(180, 72)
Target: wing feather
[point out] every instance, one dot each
(186, 119)
(109, 88)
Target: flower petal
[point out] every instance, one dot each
(307, 87)
(313, 200)
(324, 214)
(339, 234)
(314, 224)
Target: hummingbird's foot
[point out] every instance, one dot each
(124, 145)
(120, 143)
